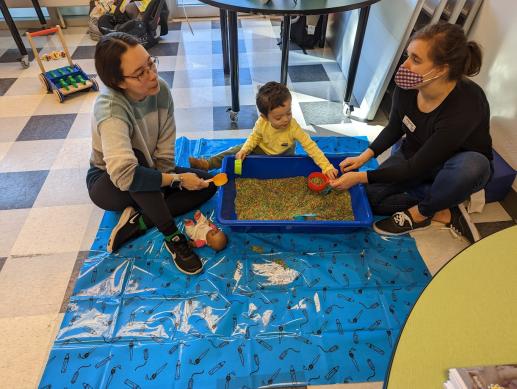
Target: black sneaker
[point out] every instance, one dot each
(186, 260)
(400, 223)
(125, 230)
(461, 226)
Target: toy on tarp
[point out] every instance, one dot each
(319, 183)
(203, 232)
(65, 80)
(305, 216)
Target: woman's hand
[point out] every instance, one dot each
(354, 163)
(348, 180)
(331, 173)
(191, 181)
(241, 155)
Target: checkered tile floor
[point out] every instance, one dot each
(46, 218)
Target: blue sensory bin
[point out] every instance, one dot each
(264, 167)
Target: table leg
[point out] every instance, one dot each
(354, 60)
(323, 31)
(286, 31)
(14, 32)
(234, 63)
(37, 7)
(223, 18)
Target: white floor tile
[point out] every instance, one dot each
(82, 127)
(11, 223)
(11, 127)
(25, 343)
(53, 230)
(492, 212)
(63, 187)
(31, 155)
(34, 285)
(74, 154)
(19, 105)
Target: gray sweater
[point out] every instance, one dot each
(120, 126)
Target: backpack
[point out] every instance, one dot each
(300, 35)
(146, 26)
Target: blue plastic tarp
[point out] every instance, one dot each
(269, 309)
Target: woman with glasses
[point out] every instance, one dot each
(132, 161)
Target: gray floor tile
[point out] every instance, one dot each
(307, 73)
(20, 189)
(13, 55)
(47, 127)
(2, 262)
(5, 84)
(247, 118)
(167, 48)
(174, 26)
(84, 52)
(168, 77)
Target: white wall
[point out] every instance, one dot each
(495, 29)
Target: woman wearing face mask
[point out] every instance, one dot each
(446, 151)
(132, 161)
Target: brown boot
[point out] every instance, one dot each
(199, 163)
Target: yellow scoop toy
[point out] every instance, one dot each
(219, 179)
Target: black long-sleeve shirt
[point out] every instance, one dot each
(460, 123)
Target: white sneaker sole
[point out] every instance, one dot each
(173, 255)
(124, 218)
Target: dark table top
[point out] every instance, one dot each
(287, 7)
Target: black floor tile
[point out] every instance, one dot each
(20, 189)
(13, 55)
(164, 49)
(489, 228)
(174, 26)
(246, 118)
(220, 79)
(84, 52)
(2, 262)
(168, 77)
(47, 127)
(307, 73)
(5, 84)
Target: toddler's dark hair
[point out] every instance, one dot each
(270, 96)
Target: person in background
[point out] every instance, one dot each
(132, 160)
(443, 119)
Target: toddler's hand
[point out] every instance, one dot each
(331, 173)
(241, 155)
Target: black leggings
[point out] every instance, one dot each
(157, 207)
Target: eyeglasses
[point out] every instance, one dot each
(152, 66)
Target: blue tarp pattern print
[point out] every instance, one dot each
(270, 309)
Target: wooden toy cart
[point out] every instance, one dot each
(67, 79)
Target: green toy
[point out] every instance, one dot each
(81, 79)
(72, 81)
(63, 84)
(238, 167)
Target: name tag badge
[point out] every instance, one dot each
(409, 124)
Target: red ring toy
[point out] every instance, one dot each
(317, 187)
